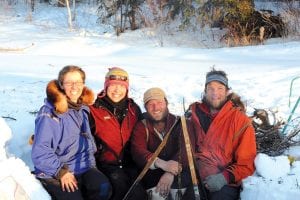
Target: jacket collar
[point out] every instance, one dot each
(58, 99)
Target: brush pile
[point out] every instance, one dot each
(269, 139)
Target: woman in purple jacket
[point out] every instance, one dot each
(63, 148)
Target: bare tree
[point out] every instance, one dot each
(70, 23)
(32, 5)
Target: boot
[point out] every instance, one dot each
(153, 195)
(176, 194)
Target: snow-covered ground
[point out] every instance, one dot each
(33, 48)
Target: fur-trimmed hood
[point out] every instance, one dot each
(237, 101)
(58, 98)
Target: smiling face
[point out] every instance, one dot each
(73, 85)
(157, 109)
(216, 95)
(116, 92)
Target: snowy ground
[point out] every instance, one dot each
(33, 50)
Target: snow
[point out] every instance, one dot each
(16, 180)
(280, 166)
(33, 48)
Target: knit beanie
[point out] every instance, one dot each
(154, 93)
(116, 75)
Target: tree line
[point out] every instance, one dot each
(241, 22)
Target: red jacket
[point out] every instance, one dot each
(229, 144)
(111, 134)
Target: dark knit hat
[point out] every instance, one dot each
(217, 77)
(116, 75)
(154, 93)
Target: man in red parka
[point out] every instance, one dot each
(225, 139)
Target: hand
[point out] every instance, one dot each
(68, 182)
(173, 167)
(164, 185)
(215, 182)
(169, 166)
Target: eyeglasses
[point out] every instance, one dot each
(117, 77)
(70, 83)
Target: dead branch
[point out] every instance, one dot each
(8, 117)
(3, 49)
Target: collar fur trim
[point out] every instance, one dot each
(57, 97)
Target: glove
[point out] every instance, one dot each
(215, 182)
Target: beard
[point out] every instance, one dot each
(215, 106)
(155, 119)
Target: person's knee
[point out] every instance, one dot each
(97, 185)
(105, 190)
(120, 181)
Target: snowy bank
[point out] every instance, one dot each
(275, 178)
(16, 180)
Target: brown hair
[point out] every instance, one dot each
(67, 69)
(217, 75)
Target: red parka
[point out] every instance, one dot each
(228, 145)
(112, 135)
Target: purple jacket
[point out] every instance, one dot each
(62, 140)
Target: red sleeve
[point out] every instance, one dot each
(139, 151)
(245, 152)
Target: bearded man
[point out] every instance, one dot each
(225, 139)
(168, 176)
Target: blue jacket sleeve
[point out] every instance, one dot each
(47, 136)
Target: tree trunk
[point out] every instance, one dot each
(74, 11)
(32, 5)
(69, 15)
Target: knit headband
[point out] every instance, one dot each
(217, 77)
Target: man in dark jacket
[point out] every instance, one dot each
(167, 173)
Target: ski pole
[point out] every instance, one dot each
(290, 117)
(190, 158)
(291, 89)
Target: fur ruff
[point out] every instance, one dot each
(57, 97)
(237, 102)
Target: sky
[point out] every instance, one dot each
(34, 47)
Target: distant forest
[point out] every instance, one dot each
(243, 22)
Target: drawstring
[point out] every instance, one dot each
(130, 109)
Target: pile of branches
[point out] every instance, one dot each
(273, 24)
(253, 28)
(269, 139)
